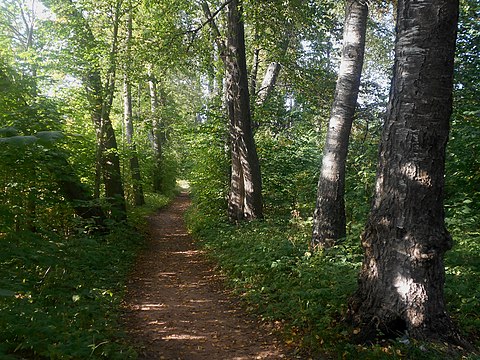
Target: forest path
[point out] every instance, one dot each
(176, 305)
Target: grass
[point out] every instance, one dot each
(268, 264)
(60, 296)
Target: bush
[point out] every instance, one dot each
(60, 298)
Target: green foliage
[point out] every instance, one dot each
(360, 174)
(66, 295)
(30, 193)
(289, 165)
(207, 168)
(305, 295)
(59, 292)
(462, 289)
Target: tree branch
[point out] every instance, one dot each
(210, 20)
(210, 16)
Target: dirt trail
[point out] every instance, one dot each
(177, 308)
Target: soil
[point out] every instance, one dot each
(177, 306)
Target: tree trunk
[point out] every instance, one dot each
(139, 198)
(156, 135)
(128, 120)
(329, 221)
(254, 72)
(100, 98)
(268, 82)
(111, 171)
(245, 198)
(401, 282)
(112, 176)
(271, 73)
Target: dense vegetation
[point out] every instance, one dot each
(66, 251)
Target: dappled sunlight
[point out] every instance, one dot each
(147, 307)
(184, 337)
(413, 296)
(188, 252)
(178, 308)
(414, 173)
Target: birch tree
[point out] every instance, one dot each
(329, 221)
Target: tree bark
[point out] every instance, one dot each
(329, 220)
(107, 159)
(245, 197)
(400, 286)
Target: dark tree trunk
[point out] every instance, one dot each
(111, 160)
(245, 198)
(111, 172)
(107, 161)
(329, 221)
(402, 278)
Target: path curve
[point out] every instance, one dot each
(176, 307)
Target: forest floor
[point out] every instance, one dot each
(177, 306)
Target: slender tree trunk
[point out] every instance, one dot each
(245, 198)
(329, 222)
(222, 50)
(268, 82)
(139, 198)
(157, 135)
(111, 161)
(111, 172)
(254, 72)
(402, 278)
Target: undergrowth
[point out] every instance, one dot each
(268, 265)
(60, 296)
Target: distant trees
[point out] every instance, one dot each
(401, 282)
